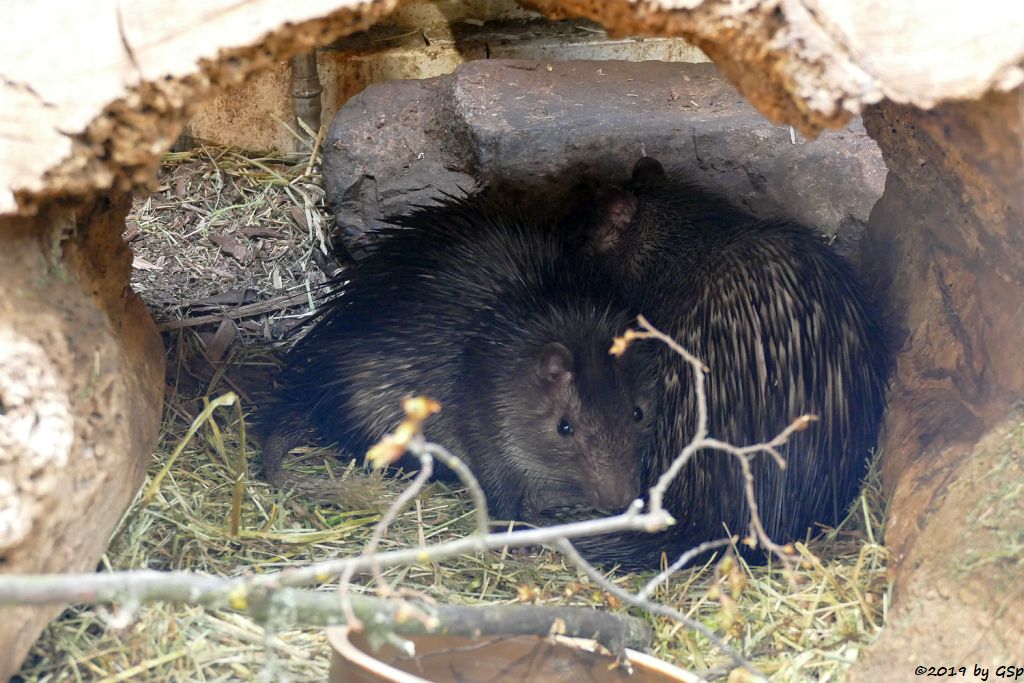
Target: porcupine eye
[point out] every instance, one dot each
(565, 427)
(638, 414)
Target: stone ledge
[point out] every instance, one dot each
(535, 125)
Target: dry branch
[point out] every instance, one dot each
(278, 606)
(273, 600)
(278, 303)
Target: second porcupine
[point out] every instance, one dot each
(490, 312)
(784, 327)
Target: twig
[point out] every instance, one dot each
(642, 602)
(244, 311)
(784, 554)
(468, 479)
(631, 520)
(426, 453)
(701, 441)
(272, 605)
(271, 598)
(683, 560)
(370, 551)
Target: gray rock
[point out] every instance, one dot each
(540, 127)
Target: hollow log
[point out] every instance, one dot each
(92, 96)
(81, 385)
(816, 63)
(90, 99)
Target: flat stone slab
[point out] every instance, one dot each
(543, 126)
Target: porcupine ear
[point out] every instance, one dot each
(647, 168)
(616, 208)
(554, 365)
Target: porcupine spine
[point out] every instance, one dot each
(785, 329)
(459, 301)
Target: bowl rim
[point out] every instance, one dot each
(637, 658)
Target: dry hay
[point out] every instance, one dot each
(231, 238)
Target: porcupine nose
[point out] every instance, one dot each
(614, 492)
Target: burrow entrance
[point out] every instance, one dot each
(228, 253)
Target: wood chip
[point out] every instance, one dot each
(140, 263)
(230, 246)
(299, 216)
(258, 231)
(218, 345)
(131, 231)
(195, 209)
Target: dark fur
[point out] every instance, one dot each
(785, 328)
(494, 315)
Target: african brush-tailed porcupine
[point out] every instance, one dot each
(784, 326)
(492, 313)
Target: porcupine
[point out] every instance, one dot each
(491, 312)
(785, 328)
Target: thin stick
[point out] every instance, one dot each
(573, 555)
